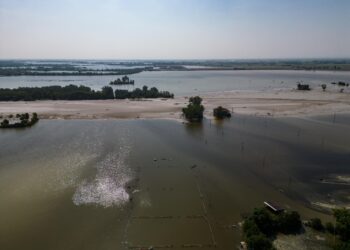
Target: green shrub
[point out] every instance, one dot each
(221, 113)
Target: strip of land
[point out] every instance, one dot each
(285, 102)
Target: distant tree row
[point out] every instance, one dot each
(69, 92)
(73, 92)
(124, 81)
(343, 84)
(142, 93)
(21, 121)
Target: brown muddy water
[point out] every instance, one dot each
(132, 184)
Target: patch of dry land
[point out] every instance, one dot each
(286, 102)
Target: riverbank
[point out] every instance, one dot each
(283, 102)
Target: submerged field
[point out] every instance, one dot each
(121, 184)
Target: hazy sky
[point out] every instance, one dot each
(174, 29)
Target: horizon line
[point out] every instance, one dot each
(181, 59)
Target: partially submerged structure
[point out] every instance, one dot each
(273, 207)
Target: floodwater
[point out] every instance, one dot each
(132, 184)
(183, 83)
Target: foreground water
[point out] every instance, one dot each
(183, 83)
(139, 183)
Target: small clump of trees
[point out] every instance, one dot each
(145, 92)
(340, 83)
(262, 226)
(303, 86)
(124, 81)
(22, 121)
(221, 113)
(194, 110)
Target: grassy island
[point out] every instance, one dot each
(19, 121)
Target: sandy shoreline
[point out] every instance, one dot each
(261, 103)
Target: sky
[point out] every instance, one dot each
(174, 29)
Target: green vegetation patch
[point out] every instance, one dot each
(262, 226)
(194, 110)
(19, 121)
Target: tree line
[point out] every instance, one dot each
(145, 92)
(74, 92)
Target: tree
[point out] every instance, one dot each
(194, 110)
(196, 100)
(264, 221)
(324, 86)
(107, 92)
(250, 228)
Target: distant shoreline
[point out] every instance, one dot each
(177, 70)
(127, 67)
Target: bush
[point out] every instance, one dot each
(263, 219)
(24, 121)
(221, 113)
(316, 224)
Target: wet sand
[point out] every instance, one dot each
(261, 103)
